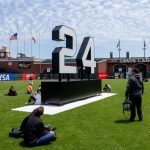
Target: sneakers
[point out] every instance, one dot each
(26, 103)
(131, 120)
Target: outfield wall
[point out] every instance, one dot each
(12, 77)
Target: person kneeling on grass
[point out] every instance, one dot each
(34, 131)
(36, 98)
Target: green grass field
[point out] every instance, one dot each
(96, 126)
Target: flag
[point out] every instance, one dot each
(118, 45)
(13, 37)
(33, 39)
(144, 44)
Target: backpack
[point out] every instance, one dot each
(16, 133)
(126, 105)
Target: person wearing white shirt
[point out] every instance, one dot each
(36, 98)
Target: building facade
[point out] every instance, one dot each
(105, 67)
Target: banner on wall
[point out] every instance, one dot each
(103, 75)
(23, 65)
(6, 77)
(27, 76)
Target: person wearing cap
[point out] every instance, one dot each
(134, 91)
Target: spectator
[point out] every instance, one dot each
(30, 80)
(107, 88)
(12, 91)
(29, 89)
(134, 91)
(34, 131)
(36, 98)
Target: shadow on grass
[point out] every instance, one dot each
(22, 144)
(122, 121)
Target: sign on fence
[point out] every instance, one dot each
(6, 77)
(103, 75)
(27, 76)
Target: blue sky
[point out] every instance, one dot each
(105, 20)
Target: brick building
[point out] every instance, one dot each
(21, 64)
(106, 67)
(122, 67)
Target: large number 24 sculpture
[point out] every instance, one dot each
(85, 57)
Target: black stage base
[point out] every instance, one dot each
(59, 93)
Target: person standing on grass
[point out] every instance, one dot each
(30, 80)
(134, 91)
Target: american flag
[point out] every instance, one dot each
(118, 45)
(13, 37)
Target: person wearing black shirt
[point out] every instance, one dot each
(134, 91)
(35, 133)
(12, 91)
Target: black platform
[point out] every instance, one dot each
(59, 93)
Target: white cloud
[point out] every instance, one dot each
(105, 20)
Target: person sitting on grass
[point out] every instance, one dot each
(107, 88)
(34, 131)
(29, 89)
(36, 98)
(12, 91)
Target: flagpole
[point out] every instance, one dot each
(39, 49)
(17, 37)
(144, 48)
(24, 43)
(9, 45)
(9, 41)
(31, 37)
(119, 49)
(39, 44)
(144, 51)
